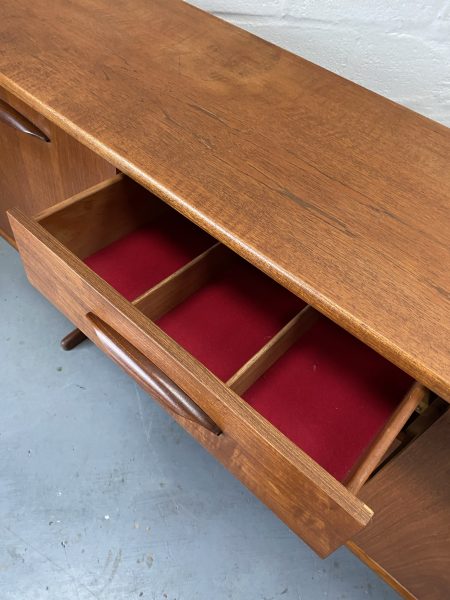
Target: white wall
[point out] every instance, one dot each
(398, 48)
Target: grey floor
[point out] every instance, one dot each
(103, 496)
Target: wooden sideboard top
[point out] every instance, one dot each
(338, 193)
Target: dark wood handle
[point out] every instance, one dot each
(154, 381)
(14, 119)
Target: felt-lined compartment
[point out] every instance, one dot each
(228, 320)
(141, 259)
(330, 394)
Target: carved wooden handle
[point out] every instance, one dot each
(14, 119)
(154, 381)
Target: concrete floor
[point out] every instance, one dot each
(103, 496)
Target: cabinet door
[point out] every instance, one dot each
(35, 173)
(409, 536)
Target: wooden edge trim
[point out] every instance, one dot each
(258, 364)
(95, 189)
(378, 569)
(184, 282)
(380, 445)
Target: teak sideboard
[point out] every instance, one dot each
(261, 244)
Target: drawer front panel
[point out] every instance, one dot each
(300, 492)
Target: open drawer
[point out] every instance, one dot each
(286, 400)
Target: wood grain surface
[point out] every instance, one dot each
(396, 585)
(339, 194)
(35, 174)
(409, 536)
(316, 506)
(100, 215)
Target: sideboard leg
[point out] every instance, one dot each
(72, 339)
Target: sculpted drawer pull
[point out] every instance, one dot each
(154, 381)
(14, 119)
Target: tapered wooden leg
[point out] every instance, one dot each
(72, 339)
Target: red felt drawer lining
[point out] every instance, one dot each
(330, 394)
(138, 261)
(231, 318)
